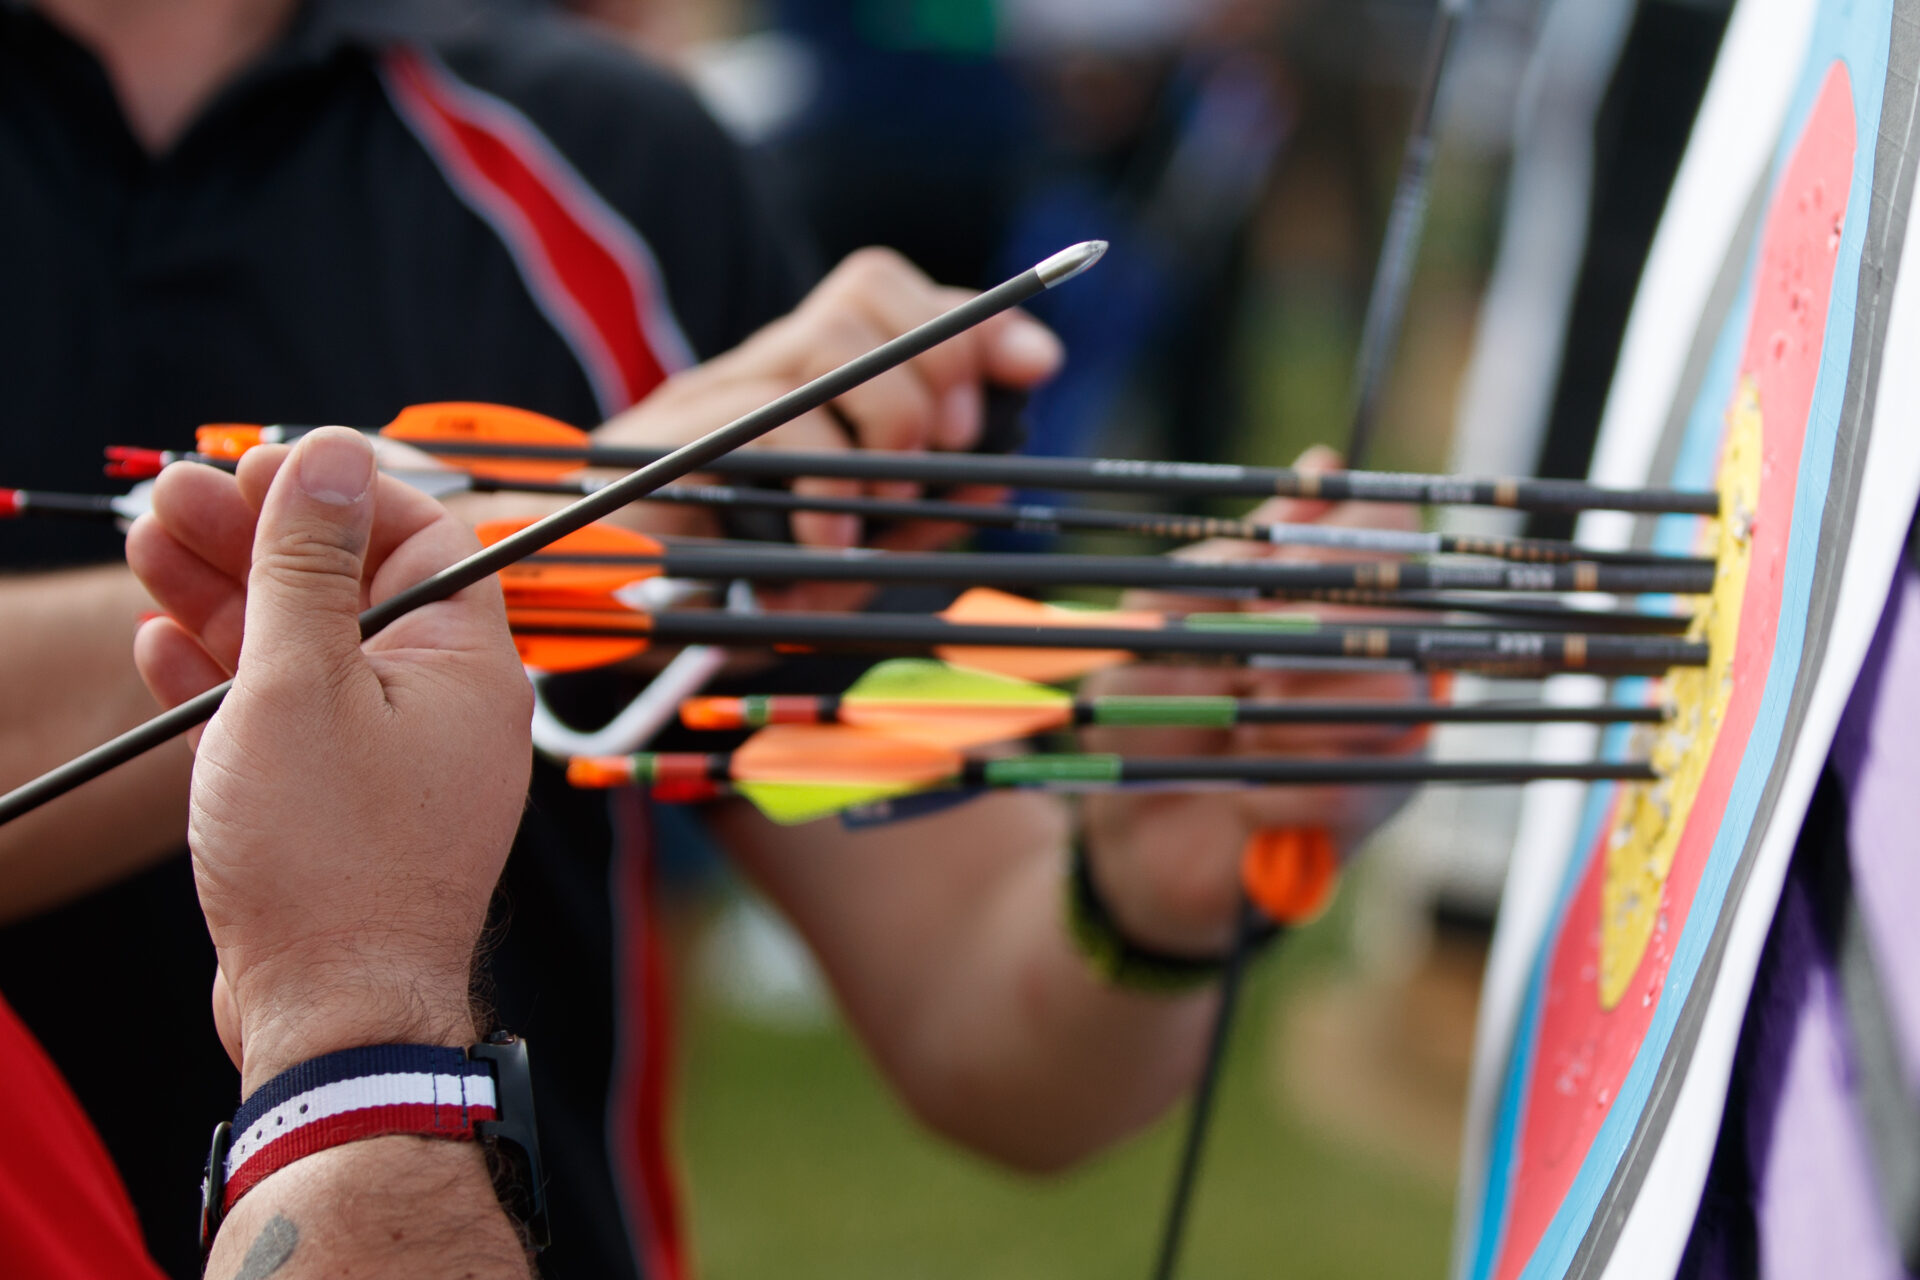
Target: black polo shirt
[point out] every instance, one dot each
(402, 202)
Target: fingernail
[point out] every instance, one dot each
(1032, 345)
(960, 417)
(336, 467)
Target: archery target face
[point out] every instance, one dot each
(1618, 984)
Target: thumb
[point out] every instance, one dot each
(309, 551)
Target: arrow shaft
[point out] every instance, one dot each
(1426, 648)
(1032, 570)
(1075, 771)
(92, 507)
(1125, 712)
(1034, 517)
(1126, 475)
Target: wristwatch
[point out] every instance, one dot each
(483, 1093)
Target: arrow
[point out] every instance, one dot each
(1028, 569)
(91, 507)
(1049, 519)
(489, 439)
(619, 550)
(605, 559)
(799, 773)
(996, 632)
(1025, 517)
(1034, 517)
(689, 458)
(945, 705)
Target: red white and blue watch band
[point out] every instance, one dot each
(424, 1090)
(482, 1092)
(344, 1097)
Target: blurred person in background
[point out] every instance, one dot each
(1241, 152)
(266, 210)
(965, 132)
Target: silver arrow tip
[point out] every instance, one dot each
(1070, 262)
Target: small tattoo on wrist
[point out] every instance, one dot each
(270, 1249)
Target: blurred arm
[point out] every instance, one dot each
(945, 937)
(68, 683)
(945, 941)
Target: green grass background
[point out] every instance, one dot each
(800, 1167)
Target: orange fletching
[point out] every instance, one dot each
(225, 439)
(1290, 872)
(983, 605)
(840, 754)
(585, 604)
(541, 572)
(455, 420)
(617, 634)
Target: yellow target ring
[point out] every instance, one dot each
(1651, 816)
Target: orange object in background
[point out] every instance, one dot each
(1290, 872)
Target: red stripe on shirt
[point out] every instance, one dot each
(588, 269)
(642, 1083)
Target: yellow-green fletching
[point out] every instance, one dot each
(791, 803)
(925, 680)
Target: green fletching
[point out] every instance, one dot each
(925, 680)
(1172, 713)
(1016, 771)
(791, 803)
(1267, 622)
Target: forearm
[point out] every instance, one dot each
(69, 684)
(395, 1206)
(945, 940)
(1023, 1053)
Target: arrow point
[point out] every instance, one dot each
(1068, 263)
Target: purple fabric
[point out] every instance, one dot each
(1877, 755)
(1792, 1192)
(1816, 1209)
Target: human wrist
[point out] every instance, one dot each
(1124, 961)
(1173, 906)
(477, 1094)
(293, 1024)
